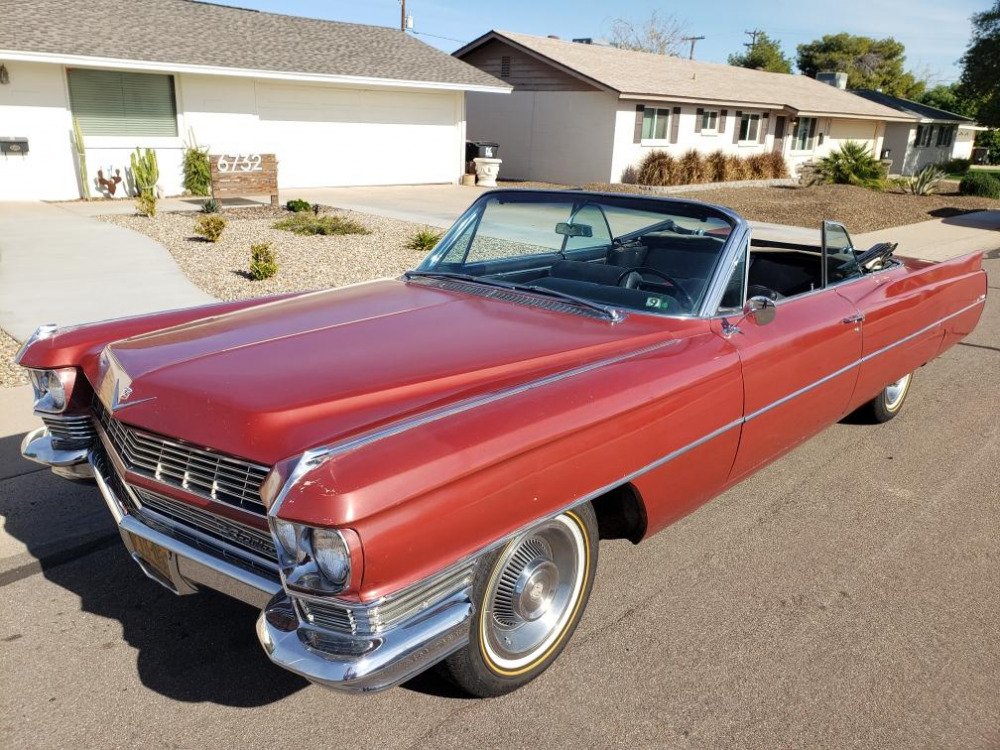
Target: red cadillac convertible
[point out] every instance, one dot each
(417, 471)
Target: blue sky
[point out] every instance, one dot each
(935, 32)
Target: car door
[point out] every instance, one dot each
(799, 371)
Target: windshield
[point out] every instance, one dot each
(650, 255)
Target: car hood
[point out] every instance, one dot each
(269, 382)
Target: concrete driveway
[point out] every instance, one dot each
(434, 205)
(845, 596)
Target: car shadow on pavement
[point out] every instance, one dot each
(197, 648)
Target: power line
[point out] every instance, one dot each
(437, 36)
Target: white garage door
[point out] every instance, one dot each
(327, 136)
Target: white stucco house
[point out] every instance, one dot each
(934, 137)
(582, 112)
(339, 104)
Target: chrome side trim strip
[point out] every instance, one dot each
(683, 449)
(313, 458)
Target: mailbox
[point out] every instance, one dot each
(13, 146)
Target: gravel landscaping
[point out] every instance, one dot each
(861, 210)
(305, 262)
(10, 374)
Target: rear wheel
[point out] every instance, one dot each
(529, 597)
(889, 402)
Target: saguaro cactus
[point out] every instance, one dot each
(146, 173)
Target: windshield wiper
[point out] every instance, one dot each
(609, 312)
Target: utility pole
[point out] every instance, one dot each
(402, 15)
(753, 38)
(691, 39)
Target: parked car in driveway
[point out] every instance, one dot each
(418, 471)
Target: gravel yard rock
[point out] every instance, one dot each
(11, 375)
(861, 210)
(305, 262)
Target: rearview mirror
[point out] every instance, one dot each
(574, 230)
(760, 309)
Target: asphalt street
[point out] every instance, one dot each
(846, 596)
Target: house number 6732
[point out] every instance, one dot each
(239, 163)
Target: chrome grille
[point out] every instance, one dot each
(233, 532)
(205, 473)
(70, 431)
(329, 616)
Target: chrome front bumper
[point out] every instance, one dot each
(352, 663)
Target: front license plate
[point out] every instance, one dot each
(153, 554)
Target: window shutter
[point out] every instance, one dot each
(739, 126)
(675, 124)
(722, 120)
(812, 133)
(765, 122)
(699, 116)
(124, 104)
(640, 112)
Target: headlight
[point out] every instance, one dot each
(332, 556)
(313, 559)
(52, 389)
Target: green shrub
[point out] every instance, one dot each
(926, 181)
(210, 227)
(980, 184)
(657, 168)
(298, 205)
(852, 164)
(197, 168)
(211, 206)
(263, 261)
(955, 166)
(423, 240)
(310, 224)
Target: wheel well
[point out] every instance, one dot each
(621, 514)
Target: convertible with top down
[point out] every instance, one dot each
(417, 471)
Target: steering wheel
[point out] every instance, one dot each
(632, 282)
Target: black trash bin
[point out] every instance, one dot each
(481, 149)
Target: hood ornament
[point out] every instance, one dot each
(115, 384)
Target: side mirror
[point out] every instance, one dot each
(761, 310)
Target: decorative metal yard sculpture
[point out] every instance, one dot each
(111, 185)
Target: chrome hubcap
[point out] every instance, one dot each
(894, 392)
(533, 593)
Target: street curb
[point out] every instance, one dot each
(18, 567)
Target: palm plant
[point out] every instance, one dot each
(852, 164)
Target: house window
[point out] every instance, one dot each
(802, 138)
(924, 135)
(946, 135)
(107, 102)
(654, 124)
(709, 121)
(749, 127)
(505, 66)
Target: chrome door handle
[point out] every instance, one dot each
(853, 319)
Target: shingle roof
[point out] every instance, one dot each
(643, 74)
(183, 32)
(922, 111)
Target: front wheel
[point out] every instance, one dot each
(529, 597)
(888, 403)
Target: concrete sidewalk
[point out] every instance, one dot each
(59, 267)
(940, 239)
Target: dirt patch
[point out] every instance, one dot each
(859, 209)
(305, 262)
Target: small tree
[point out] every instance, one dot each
(869, 63)
(765, 54)
(659, 34)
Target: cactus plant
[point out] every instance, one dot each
(146, 172)
(81, 157)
